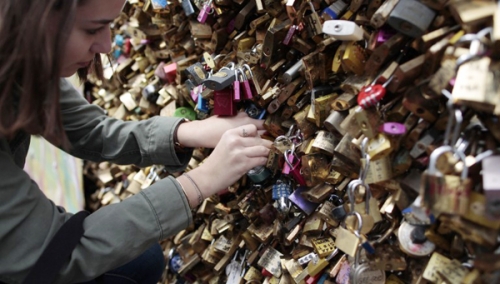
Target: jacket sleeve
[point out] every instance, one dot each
(95, 136)
(114, 235)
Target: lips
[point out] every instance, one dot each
(83, 64)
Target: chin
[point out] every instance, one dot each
(68, 73)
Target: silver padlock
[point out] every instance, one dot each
(413, 242)
(491, 186)
(411, 18)
(364, 273)
(188, 7)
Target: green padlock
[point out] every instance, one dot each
(185, 112)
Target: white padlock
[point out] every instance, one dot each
(343, 30)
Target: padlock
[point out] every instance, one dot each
(196, 73)
(188, 7)
(352, 219)
(412, 240)
(491, 186)
(381, 15)
(379, 147)
(205, 11)
(439, 268)
(368, 121)
(220, 80)
(270, 261)
(311, 21)
(411, 18)
(224, 103)
(236, 86)
(365, 273)
(259, 174)
(305, 205)
(334, 11)
(343, 30)
(292, 73)
(353, 59)
(372, 94)
(445, 193)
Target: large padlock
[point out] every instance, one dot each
(445, 193)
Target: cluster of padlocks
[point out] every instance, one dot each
(385, 122)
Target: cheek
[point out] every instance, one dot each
(76, 49)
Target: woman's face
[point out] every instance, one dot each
(90, 34)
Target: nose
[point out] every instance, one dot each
(102, 43)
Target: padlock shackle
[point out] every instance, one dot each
(351, 188)
(432, 170)
(454, 116)
(291, 152)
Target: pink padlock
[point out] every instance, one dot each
(204, 12)
(246, 85)
(292, 165)
(289, 35)
(393, 128)
(236, 87)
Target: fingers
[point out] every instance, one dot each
(248, 130)
(256, 151)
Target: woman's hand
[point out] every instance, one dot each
(239, 150)
(208, 132)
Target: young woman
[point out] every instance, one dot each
(41, 42)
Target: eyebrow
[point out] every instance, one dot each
(103, 22)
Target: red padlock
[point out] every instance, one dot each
(170, 72)
(371, 95)
(223, 103)
(266, 273)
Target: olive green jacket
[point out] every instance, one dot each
(115, 234)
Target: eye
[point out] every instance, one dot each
(94, 31)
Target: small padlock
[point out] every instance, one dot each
(370, 96)
(343, 30)
(205, 11)
(313, 22)
(259, 174)
(351, 220)
(411, 18)
(365, 273)
(445, 193)
(236, 87)
(412, 240)
(196, 73)
(491, 186)
(334, 11)
(220, 80)
(188, 7)
(305, 205)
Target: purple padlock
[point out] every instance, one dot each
(305, 205)
(204, 12)
(393, 128)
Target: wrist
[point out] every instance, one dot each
(185, 134)
(191, 190)
(178, 146)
